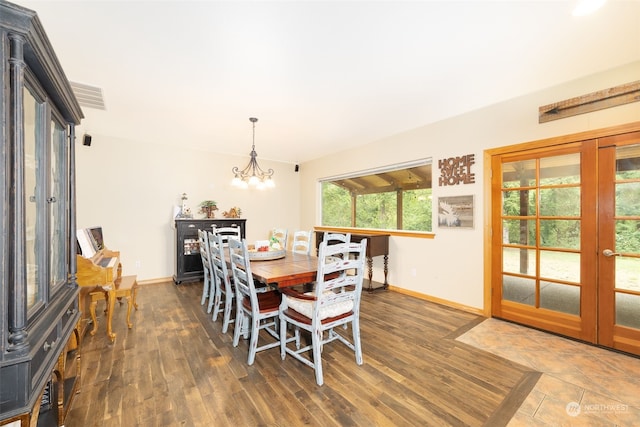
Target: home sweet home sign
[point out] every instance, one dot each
(456, 170)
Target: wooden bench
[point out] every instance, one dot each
(123, 287)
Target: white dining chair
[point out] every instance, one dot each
(301, 242)
(281, 234)
(225, 293)
(255, 311)
(228, 233)
(334, 302)
(208, 287)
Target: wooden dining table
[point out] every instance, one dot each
(294, 269)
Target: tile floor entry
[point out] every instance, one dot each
(581, 384)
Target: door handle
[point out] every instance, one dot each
(609, 252)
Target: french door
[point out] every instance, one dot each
(619, 242)
(565, 239)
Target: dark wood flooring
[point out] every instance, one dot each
(176, 368)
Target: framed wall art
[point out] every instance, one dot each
(455, 212)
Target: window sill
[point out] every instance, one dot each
(399, 233)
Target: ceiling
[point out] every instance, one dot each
(321, 76)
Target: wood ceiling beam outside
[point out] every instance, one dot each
(408, 179)
(424, 179)
(348, 185)
(388, 178)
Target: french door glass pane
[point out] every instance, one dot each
(519, 174)
(628, 236)
(627, 274)
(519, 261)
(519, 289)
(628, 310)
(559, 297)
(627, 199)
(563, 169)
(519, 232)
(519, 203)
(560, 233)
(560, 201)
(628, 162)
(562, 266)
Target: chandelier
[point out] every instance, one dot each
(252, 174)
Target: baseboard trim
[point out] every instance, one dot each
(155, 281)
(437, 300)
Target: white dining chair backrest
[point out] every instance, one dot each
(281, 234)
(336, 237)
(208, 282)
(333, 238)
(302, 242)
(225, 292)
(228, 233)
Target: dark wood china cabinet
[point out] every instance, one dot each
(39, 342)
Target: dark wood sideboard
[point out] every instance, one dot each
(188, 263)
(377, 245)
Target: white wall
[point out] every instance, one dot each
(450, 266)
(130, 188)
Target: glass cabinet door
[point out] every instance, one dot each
(57, 193)
(32, 172)
(46, 187)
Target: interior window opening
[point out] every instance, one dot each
(395, 197)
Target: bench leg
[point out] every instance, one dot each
(129, 304)
(111, 303)
(131, 301)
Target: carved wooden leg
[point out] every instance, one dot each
(134, 294)
(92, 310)
(370, 266)
(111, 304)
(386, 271)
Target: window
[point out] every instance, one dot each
(396, 197)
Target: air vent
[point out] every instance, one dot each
(88, 96)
